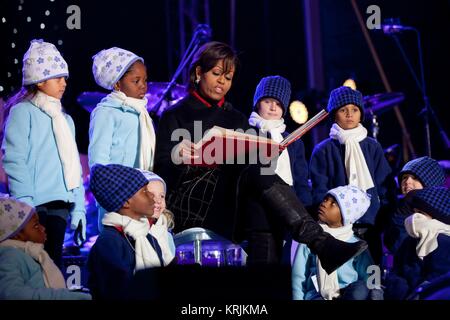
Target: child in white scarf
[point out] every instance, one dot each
(129, 242)
(26, 270)
(338, 211)
(122, 134)
(363, 164)
(270, 104)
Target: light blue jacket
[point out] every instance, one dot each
(31, 159)
(304, 269)
(114, 134)
(21, 278)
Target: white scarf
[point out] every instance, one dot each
(146, 256)
(65, 141)
(147, 132)
(275, 128)
(426, 230)
(355, 164)
(53, 277)
(328, 283)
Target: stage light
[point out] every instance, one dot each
(47, 12)
(14, 30)
(28, 19)
(3, 20)
(60, 42)
(350, 83)
(13, 45)
(1, 88)
(42, 26)
(298, 112)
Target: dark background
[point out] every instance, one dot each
(269, 36)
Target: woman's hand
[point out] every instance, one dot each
(184, 152)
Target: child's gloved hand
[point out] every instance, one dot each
(78, 223)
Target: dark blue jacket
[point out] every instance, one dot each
(327, 171)
(111, 264)
(299, 170)
(414, 270)
(395, 232)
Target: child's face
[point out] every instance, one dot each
(330, 213)
(134, 82)
(348, 117)
(409, 182)
(159, 196)
(140, 204)
(33, 231)
(215, 83)
(53, 87)
(270, 109)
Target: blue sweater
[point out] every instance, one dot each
(327, 171)
(304, 269)
(114, 134)
(21, 278)
(111, 264)
(31, 159)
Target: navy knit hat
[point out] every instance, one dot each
(275, 87)
(427, 170)
(341, 97)
(113, 184)
(434, 200)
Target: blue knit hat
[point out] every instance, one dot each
(113, 184)
(427, 170)
(343, 96)
(275, 87)
(433, 200)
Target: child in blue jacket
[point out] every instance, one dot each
(424, 255)
(40, 153)
(349, 156)
(128, 241)
(270, 103)
(341, 207)
(26, 270)
(423, 172)
(121, 130)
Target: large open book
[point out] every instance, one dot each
(220, 145)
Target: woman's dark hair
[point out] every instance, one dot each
(207, 57)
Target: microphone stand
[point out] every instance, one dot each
(427, 111)
(201, 33)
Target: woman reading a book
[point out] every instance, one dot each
(205, 197)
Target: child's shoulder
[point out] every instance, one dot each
(23, 106)
(325, 145)
(10, 254)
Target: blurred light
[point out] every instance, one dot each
(60, 42)
(19, 8)
(13, 45)
(3, 20)
(14, 30)
(28, 19)
(16, 61)
(47, 12)
(298, 112)
(350, 83)
(42, 26)
(1, 89)
(9, 74)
